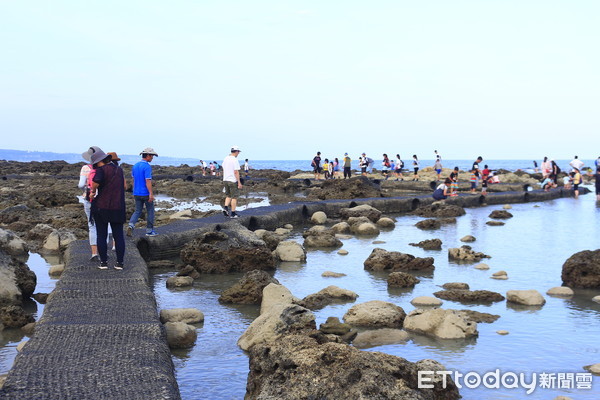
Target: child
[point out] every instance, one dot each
(438, 167)
(567, 180)
(454, 183)
(474, 180)
(326, 168)
(442, 191)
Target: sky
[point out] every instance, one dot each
(282, 79)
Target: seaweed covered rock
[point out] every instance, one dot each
(500, 214)
(355, 188)
(331, 294)
(582, 270)
(322, 239)
(429, 244)
(249, 289)
(301, 367)
(465, 253)
(469, 296)
(439, 210)
(235, 249)
(383, 260)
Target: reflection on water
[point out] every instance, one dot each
(561, 336)
(10, 338)
(164, 202)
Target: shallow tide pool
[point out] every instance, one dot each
(560, 337)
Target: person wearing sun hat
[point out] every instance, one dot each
(142, 192)
(231, 182)
(107, 196)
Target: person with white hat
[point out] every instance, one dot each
(231, 182)
(142, 192)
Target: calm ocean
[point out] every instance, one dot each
(284, 165)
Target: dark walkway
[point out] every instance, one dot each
(99, 337)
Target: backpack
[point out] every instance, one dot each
(558, 170)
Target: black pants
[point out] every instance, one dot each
(347, 172)
(102, 236)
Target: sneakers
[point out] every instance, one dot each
(95, 257)
(103, 265)
(226, 211)
(119, 266)
(129, 230)
(234, 215)
(152, 233)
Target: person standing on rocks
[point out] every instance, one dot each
(246, 169)
(203, 167)
(577, 180)
(347, 166)
(415, 167)
(316, 164)
(108, 206)
(142, 192)
(597, 181)
(576, 164)
(476, 163)
(385, 167)
(438, 167)
(232, 182)
(85, 183)
(546, 168)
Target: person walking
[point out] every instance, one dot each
(231, 182)
(85, 184)
(142, 192)
(108, 206)
(347, 166)
(316, 164)
(415, 167)
(438, 168)
(385, 167)
(336, 168)
(399, 167)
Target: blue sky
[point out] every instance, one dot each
(283, 79)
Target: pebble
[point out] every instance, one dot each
(426, 301)
(342, 252)
(560, 291)
(482, 266)
(596, 299)
(331, 274)
(507, 206)
(502, 275)
(289, 226)
(379, 242)
(502, 332)
(594, 368)
(343, 236)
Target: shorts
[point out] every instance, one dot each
(416, 170)
(231, 189)
(474, 185)
(439, 171)
(576, 186)
(318, 170)
(363, 170)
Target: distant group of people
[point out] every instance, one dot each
(573, 178)
(450, 185)
(214, 169)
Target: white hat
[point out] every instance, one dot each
(150, 151)
(235, 148)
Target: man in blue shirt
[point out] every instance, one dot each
(142, 192)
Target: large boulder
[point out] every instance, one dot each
(276, 295)
(276, 322)
(364, 210)
(582, 270)
(290, 251)
(376, 313)
(440, 323)
(401, 280)
(331, 294)
(272, 239)
(386, 223)
(301, 367)
(365, 229)
(525, 297)
(429, 224)
(58, 240)
(322, 239)
(382, 260)
(466, 254)
(468, 296)
(180, 335)
(249, 289)
(341, 227)
(17, 281)
(235, 249)
(13, 245)
(440, 210)
(186, 315)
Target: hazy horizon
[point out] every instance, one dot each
(283, 79)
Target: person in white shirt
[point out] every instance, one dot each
(231, 182)
(576, 164)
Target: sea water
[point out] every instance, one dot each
(560, 337)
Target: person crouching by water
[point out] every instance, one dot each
(443, 190)
(108, 206)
